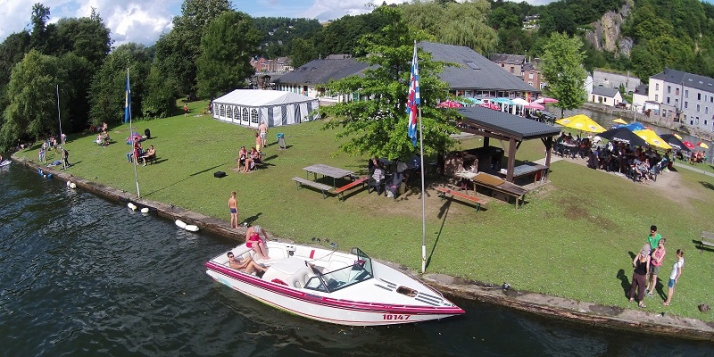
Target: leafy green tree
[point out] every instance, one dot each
(644, 63)
(32, 110)
(562, 68)
(86, 37)
(226, 51)
(179, 49)
(41, 31)
(377, 124)
(160, 101)
(303, 52)
(468, 26)
(107, 97)
(77, 73)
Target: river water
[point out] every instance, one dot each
(82, 276)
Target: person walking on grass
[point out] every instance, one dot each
(263, 128)
(641, 263)
(233, 207)
(655, 266)
(674, 276)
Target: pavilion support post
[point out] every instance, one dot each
(486, 141)
(548, 149)
(511, 159)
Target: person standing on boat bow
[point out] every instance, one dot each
(255, 242)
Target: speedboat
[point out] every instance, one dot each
(332, 286)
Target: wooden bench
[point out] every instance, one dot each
(707, 239)
(443, 191)
(499, 185)
(299, 181)
(151, 159)
(340, 191)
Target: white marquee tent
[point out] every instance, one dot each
(250, 107)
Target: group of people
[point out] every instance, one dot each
(139, 154)
(647, 264)
(381, 180)
(697, 157)
(248, 160)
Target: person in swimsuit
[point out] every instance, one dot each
(263, 128)
(254, 242)
(246, 265)
(233, 207)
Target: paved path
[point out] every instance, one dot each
(692, 168)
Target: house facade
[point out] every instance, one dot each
(606, 96)
(691, 96)
(519, 66)
(608, 79)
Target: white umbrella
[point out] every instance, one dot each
(519, 101)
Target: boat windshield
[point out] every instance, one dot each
(341, 278)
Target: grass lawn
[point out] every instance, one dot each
(573, 238)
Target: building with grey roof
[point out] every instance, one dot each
(609, 79)
(692, 95)
(310, 79)
(475, 75)
(605, 96)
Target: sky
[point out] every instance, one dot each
(144, 21)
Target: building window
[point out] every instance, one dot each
(246, 118)
(236, 113)
(686, 105)
(223, 110)
(676, 102)
(676, 91)
(699, 96)
(656, 97)
(697, 108)
(667, 100)
(669, 89)
(512, 70)
(657, 86)
(530, 75)
(254, 115)
(686, 93)
(530, 84)
(696, 121)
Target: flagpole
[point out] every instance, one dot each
(59, 118)
(423, 197)
(127, 113)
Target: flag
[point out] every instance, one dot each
(127, 100)
(413, 100)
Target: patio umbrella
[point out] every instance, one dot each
(634, 126)
(624, 135)
(688, 144)
(473, 101)
(503, 101)
(653, 139)
(619, 121)
(677, 136)
(519, 101)
(581, 122)
(703, 145)
(546, 100)
(449, 104)
(674, 142)
(535, 106)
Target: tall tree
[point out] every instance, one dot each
(180, 48)
(377, 125)
(86, 37)
(40, 36)
(108, 85)
(563, 69)
(32, 110)
(230, 42)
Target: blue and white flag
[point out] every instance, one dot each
(127, 101)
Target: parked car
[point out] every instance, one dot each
(621, 105)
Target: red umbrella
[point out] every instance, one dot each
(534, 106)
(546, 100)
(688, 144)
(449, 104)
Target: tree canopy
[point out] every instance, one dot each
(562, 65)
(377, 123)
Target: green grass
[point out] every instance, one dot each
(573, 238)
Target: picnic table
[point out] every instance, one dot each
(327, 171)
(494, 183)
(527, 170)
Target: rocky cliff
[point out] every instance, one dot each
(606, 33)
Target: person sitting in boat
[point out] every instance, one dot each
(246, 265)
(255, 242)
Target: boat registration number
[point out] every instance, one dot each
(395, 317)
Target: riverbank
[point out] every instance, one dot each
(539, 304)
(581, 227)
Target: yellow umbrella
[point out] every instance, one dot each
(619, 121)
(581, 122)
(701, 144)
(652, 138)
(677, 136)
